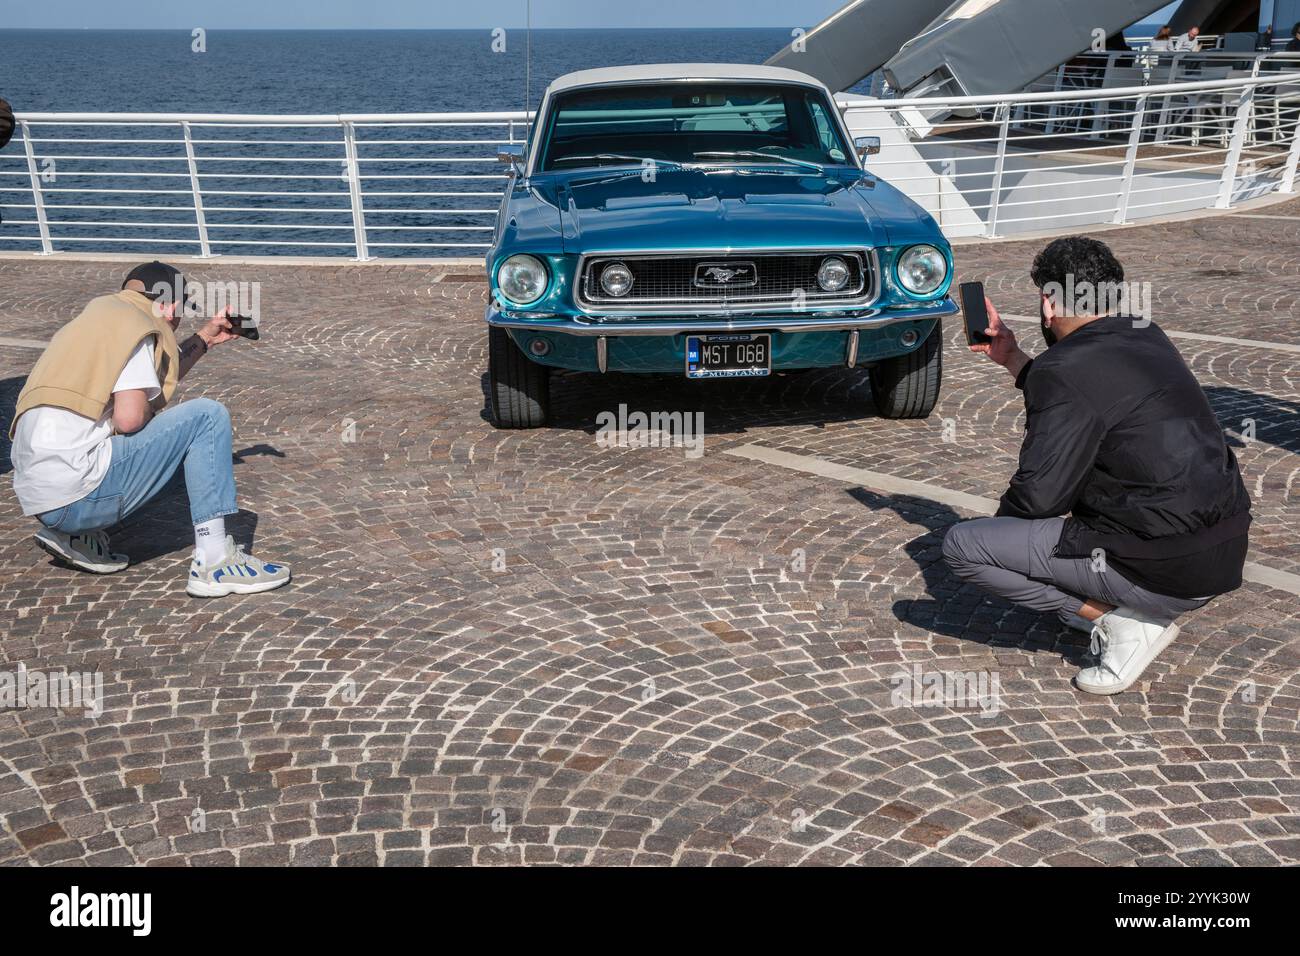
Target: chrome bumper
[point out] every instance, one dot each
(627, 325)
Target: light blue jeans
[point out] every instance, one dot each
(197, 433)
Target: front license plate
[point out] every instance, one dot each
(729, 356)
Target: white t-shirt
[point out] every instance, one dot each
(59, 456)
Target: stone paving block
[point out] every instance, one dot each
(649, 680)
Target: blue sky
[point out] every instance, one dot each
(417, 14)
(411, 14)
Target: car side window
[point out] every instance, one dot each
(825, 131)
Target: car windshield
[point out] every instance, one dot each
(716, 124)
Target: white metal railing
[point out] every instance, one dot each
(371, 185)
(1044, 161)
(1119, 68)
(212, 183)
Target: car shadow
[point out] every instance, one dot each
(955, 609)
(730, 407)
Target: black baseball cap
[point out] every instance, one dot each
(161, 281)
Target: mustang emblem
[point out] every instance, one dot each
(732, 274)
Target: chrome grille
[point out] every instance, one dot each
(701, 281)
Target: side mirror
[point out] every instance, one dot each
(866, 146)
(512, 153)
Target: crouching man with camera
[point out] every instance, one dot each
(1127, 509)
(92, 441)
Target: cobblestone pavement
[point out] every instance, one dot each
(505, 647)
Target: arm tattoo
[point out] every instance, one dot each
(192, 348)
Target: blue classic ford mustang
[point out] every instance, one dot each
(713, 221)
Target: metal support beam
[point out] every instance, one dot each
(38, 199)
(1130, 159)
(205, 250)
(1292, 161)
(995, 196)
(354, 192)
(1245, 103)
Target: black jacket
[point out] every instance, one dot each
(1121, 437)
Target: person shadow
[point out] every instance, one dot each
(9, 389)
(1270, 420)
(955, 609)
(162, 525)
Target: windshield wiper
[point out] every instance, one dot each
(754, 154)
(617, 157)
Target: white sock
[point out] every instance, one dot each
(210, 541)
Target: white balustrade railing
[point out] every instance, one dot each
(1053, 160)
(212, 183)
(429, 183)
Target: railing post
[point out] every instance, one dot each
(205, 250)
(995, 197)
(1056, 88)
(1244, 105)
(1130, 160)
(38, 200)
(1163, 125)
(1288, 184)
(354, 191)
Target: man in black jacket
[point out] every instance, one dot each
(1121, 439)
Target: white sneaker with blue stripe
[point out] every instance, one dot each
(238, 573)
(88, 552)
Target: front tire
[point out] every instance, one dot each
(908, 386)
(519, 390)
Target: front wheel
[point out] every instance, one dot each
(519, 390)
(908, 386)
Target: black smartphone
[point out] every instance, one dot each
(244, 326)
(975, 312)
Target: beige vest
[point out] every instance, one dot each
(80, 366)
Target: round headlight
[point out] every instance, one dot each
(922, 269)
(616, 279)
(833, 274)
(522, 279)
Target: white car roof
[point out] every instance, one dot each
(650, 72)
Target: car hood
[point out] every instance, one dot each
(739, 207)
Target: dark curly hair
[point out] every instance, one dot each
(1087, 260)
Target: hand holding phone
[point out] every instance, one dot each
(998, 342)
(243, 326)
(975, 312)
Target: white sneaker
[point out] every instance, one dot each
(89, 552)
(1126, 641)
(238, 573)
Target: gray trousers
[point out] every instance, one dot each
(1012, 558)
